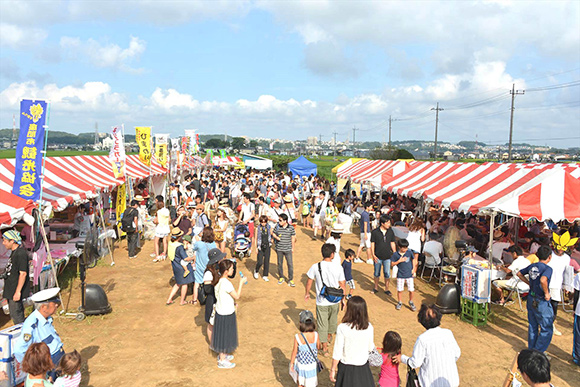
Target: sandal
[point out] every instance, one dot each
(169, 303)
(374, 291)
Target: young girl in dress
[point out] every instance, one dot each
(389, 376)
(305, 352)
(70, 368)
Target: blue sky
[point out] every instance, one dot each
(297, 69)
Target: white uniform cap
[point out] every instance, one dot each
(46, 295)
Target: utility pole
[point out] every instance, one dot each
(13, 142)
(437, 109)
(96, 135)
(513, 92)
(334, 144)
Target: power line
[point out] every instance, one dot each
(554, 87)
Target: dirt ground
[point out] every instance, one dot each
(143, 342)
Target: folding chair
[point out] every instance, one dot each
(430, 263)
(516, 289)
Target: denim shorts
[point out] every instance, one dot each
(386, 264)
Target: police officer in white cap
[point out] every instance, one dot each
(38, 327)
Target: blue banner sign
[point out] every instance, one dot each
(29, 149)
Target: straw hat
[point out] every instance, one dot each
(337, 228)
(176, 232)
(138, 198)
(288, 198)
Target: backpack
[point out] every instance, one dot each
(210, 194)
(127, 220)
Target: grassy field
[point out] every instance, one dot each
(325, 165)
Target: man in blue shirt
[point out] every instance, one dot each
(365, 234)
(38, 328)
(540, 312)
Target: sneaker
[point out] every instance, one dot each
(152, 255)
(280, 281)
(370, 262)
(399, 306)
(226, 364)
(358, 260)
(156, 259)
(228, 357)
(256, 275)
(557, 332)
(291, 283)
(412, 305)
(266, 279)
(133, 257)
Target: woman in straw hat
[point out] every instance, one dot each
(181, 265)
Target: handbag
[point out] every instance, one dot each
(333, 295)
(375, 358)
(412, 379)
(319, 364)
(202, 295)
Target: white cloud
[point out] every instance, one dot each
(106, 56)
(76, 108)
(454, 31)
(17, 37)
(327, 58)
(92, 96)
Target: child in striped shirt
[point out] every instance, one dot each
(70, 370)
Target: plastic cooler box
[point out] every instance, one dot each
(475, 284)
(8, 363)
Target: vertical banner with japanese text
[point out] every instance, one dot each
(161, 149)
(143, 137)
(121, 205)
(117, 153)
(27, 181)
(184, 157)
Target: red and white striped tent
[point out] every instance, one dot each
(13, 208)
(226, 161)
(372, 172)
(546, 192)
(71, 179)
(347, 172)
(422, 176)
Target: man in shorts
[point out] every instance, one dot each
(382, 247)
(326, 311)
(365, 234)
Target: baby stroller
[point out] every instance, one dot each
(242, 243)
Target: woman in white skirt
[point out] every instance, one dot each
(354, 341)
(225, 328)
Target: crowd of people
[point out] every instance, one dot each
(207, 222)
(241, 214)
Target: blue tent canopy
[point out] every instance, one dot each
(302, 167)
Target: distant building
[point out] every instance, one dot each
(107, 143)
(312, 141)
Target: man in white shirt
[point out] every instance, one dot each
(318, 211)
(435, 249)
(518, 264)
(326, 311)
(435, 352)
(560, 260)
(247, 213)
